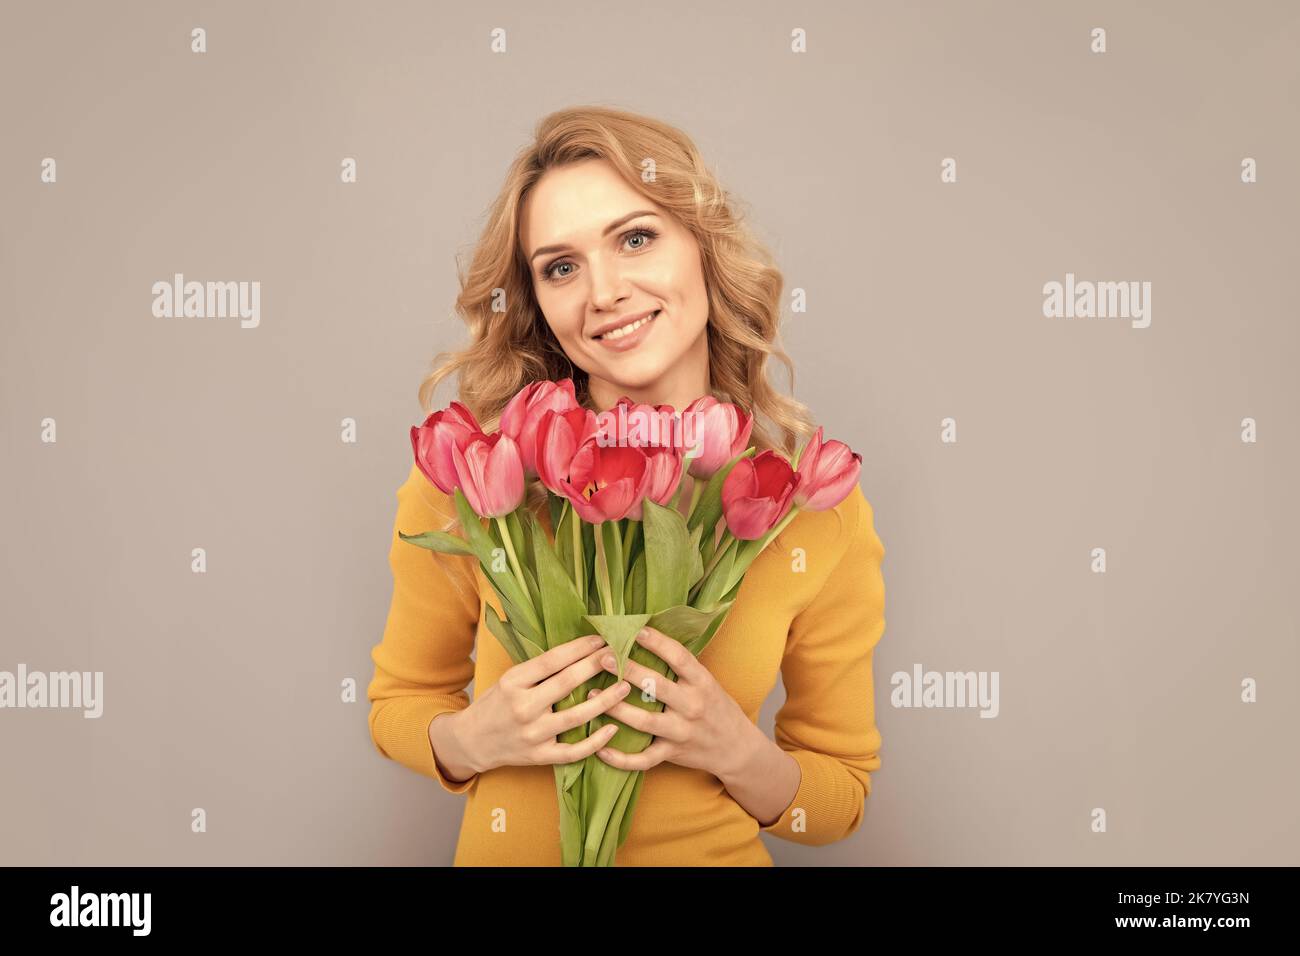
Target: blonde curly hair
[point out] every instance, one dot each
(511, 349)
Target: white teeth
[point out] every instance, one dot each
(628, 329)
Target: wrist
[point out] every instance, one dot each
(742, 760)
(453, 749)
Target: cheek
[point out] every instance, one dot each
(687, 281)
(564, 320)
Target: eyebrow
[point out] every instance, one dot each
(608, 229)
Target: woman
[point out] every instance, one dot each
(612, 257)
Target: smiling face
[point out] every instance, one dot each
(602, 256)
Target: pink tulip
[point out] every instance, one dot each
(720, 429)
(605, 482)
(433, 442)
(828, 471)
(636, 424)
(757, 494)
(558, 438)
(663, 475)
(490, 473)
(522, 414)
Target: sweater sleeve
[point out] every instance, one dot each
(423, 663)
(827, 722)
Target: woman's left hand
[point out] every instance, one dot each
(701, 725)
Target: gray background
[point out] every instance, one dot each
(222, 690)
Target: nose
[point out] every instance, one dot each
(608, 284)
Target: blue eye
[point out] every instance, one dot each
(647, 235)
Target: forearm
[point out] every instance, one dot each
(764, 778)
(449, 749)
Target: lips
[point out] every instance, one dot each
(645, 319)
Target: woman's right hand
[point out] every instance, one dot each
(513, 723)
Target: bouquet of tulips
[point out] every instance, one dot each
(621, 553)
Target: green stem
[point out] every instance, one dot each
(630, 542)
(697, 489)
(681, 483)
(579, 561)
(717, 557)
(510, 553)
(747, 556)
(602, 571)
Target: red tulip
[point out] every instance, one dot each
(720, 430)
(524, 412)
(828, 471)
(757, 494)
(605, 482)
(490, 473)
(663, 475)
(433, 442)
(558, 438)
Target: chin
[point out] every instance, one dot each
(640, 371)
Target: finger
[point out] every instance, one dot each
(529, 672)
(597, 703)
(562, 684)
(569, 753)
(682, 661)
(647, 681)
(655, 723)
(656, 753)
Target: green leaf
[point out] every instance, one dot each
(666, 544)
(696, 559)
(533, 650)
(638, 542)
(505, 634)
(530, 578)
(522, 534)
(562, 609)
(635, 590)
(564, 545)
(519, 535)
(555, 508)
(625, 825)
(698, 644)
(619, 632)
(588, 532)
(717, 583)
(570, 812)
(475, 534)
(439, 541)
(610, 841)
(604, 788)
(707, 544)
(683, 623)
(516, 604)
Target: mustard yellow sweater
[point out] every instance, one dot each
(811, 606)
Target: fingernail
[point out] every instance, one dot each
(624, 687)
(607, 660)
(596, 641)
(591, 694)
(642, 634)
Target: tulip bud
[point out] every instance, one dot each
(433, 442)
